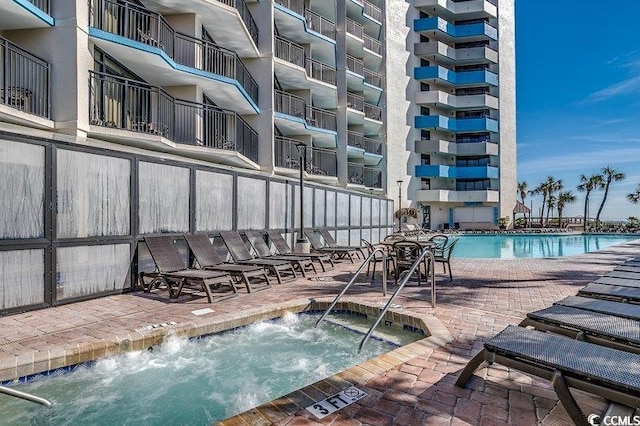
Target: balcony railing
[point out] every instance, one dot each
(372, 177)
(320, 24)
(355, 101)
(295, 106)
(319, 71)
(246, 16)
(24, 80)
(43, 5)
(354, 28)
(295, 5)
(373, 78)
(355, 139)
(320, 162)
(355, 173)
(372, 44)
(373, 112)
(373, 146)
(372, 11)
(289, 51)
(136, 23)
(355, 65)
(315, 22)
(126, 104)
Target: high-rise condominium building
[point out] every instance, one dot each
(124, 118)
(451, 110)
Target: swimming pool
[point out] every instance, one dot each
(199, 381)
(510, 246)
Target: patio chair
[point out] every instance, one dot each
(377, 258)
(444, 256)
(283, 248)
(331, 242)
(241, 255)
(567, 363)
(336, 252)
(207, 258)
(256, 238)
(405, 253)
(173, 272)
(600, 328)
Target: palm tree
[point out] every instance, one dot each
(551, 203)
(609, 175)
(588, 184)
(564, 198)
(523, 189)
(634, 197)
(546, 188)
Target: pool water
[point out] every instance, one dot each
(509, 246)
(196, 382)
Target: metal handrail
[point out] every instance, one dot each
(26, 396)
(344, 290)
(416, 264)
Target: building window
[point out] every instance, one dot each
(425, 135)
(425, 159)
(425, 184)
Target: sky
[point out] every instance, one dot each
(578, 98)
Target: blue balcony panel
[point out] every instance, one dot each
(452, 172)
(478, 29)
(460, 125)
(456, 78)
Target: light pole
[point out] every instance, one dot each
(302, 245)
(399, 205)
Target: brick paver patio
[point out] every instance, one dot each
(485, 296)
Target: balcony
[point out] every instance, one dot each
(373, 78)
(354, 28)
(445, 31)
(449, 196)
(25, 14)
(440, 99)
(230, 22)
(456, 148)
(372, 45)
(372, 11)
(454, 10)
(312, 21)
(146, 44)
(372, 112)
(461, 125)
(306, 73)
(320, 162)
(453, 172)
(445, 54)
(372, 177)
(294, 117)
(447, 77)
(355, 102)
(200, 130)
(355, 65)
(355, 173)
(24, 86)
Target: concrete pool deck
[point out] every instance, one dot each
(485, 296)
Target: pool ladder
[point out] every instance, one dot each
(430, 276)
(26, 396)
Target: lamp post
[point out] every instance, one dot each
(399, 205)
(302, 245)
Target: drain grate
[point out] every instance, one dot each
(153, 326)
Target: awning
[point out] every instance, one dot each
(521, 208)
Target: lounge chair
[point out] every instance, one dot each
(256, 238)
(241, 255)
(611, 292)
(336, 252)
(567, 363)
(625, 310)
(207, 258)
(174, 273)
(283, 248)
(596, 327)
(331, 242)
(631, 275)
(624, 282)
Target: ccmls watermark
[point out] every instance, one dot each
(596, 419)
